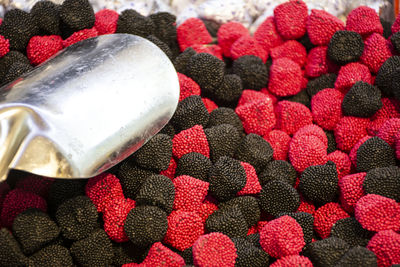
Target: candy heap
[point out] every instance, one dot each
(283, 150)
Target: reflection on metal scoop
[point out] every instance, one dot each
(86, 109)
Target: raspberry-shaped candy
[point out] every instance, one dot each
(206, 209)
(36, 184)
(184, 228)
(390, 109)
(209, 104)
(350, 74)
(40, 48)
(314, 130)
(228, 33)
(4, 46)
(214, 50)
(292, 50)
(282, 237)
(159, 255)
(252, 186)
(326, 107)
(306, 151)
(291, 116)
(351, 190)
(106, 21)
(279, 141)
(257, 117)
(376, 52)
(342, 162)
(170, 172)
(292, 260)
(249, 96)
(17, 201)
(189, 193)
(378, 213)
(80, 36)
(285, 77)
(188, 87)
(267, 35)
(306, 206)
(103, 189)
(321, 26)
(247, 45)
(389, 130)
(190, 140)
(348, 131)
(326, 216)
(114, 218)
(214, 249)
(291, 18)
(317, 61)
(192, 31)
(397, 145)
(386, 246)
(364, 20)
(353, 151)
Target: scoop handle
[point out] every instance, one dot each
(13, 131)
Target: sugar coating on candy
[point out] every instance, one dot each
(36, 184)
(291, 18)
(351, 231)
(247, 45)
(376, 52)
(395, 27)
(351, 190)
(307, 151)
(348, 131)
(77, 14)
(209, 104)
(214, 249)
(279, 141)
(313, 130)
(17, 201)
(189, 193)
(4, 46)
(191, 32)
(10, 253)
(390, 109)
(374, 153)
(364, 20)
(292, 260)
(184, 228)
(190, 140)
(292, 50)
(267, 36)
(249, 254)
(228, 220)
(320, 83)
(114, 218)
(350, 74)
(223, 141)
(285, 77)
(306, 206)
(383, 181)
(225, 116)
(252, 72)
(257, 117)
(321, 26)
(282, 237)
(389, 130)
(326, 216)
(353, 151)
(386, 246)
(228, 33)
(292, 116)
(326, 107)
(206, 209)
(80, 36)
(378, 213)
(252, 186)
(102, 189)
(47, 17)
(317, 61)
(345, 47)
(249, 96)
(342, 162)
(248, 206)
(106, 21)
(170, 171)
(195, 165)
(385, 76)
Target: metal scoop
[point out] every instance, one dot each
(87, 108)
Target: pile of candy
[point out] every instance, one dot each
(283, 150)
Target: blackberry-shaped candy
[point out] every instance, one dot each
(229, 221)
(375, 153)
(248, 254)
(187, 255)
(227, 177)
(94, 250)
(358, 256)
(168, 130)
(362, 100)
(10, 252)
(9, 59)
(181, 61)
(15, 71)
(277, 197)
(305, 41)
(165, 28)
(395, 39)
(387, 28)
(34, 229)
(224, 115)
(319, 183)
(320, 83)
(386, 73)
(229, 91)
(146, 225)
(126, 252)
(252, 71)
(157, 190)
(163, 46)
(223, 141)
(47, 17)
(302, 97)
(77, 218)
(350, 231)
(155, 154)
(383, 181)
(53, 255)
(306, 221)
(331, 142)
(195, 165)
(249, 207)
(396, 85)
(326, 252)
(77, 14)
(132, 22)
(61, 190)
(345, 47)
(190, 112)
(278, 170)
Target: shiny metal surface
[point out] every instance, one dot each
(87, 108)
